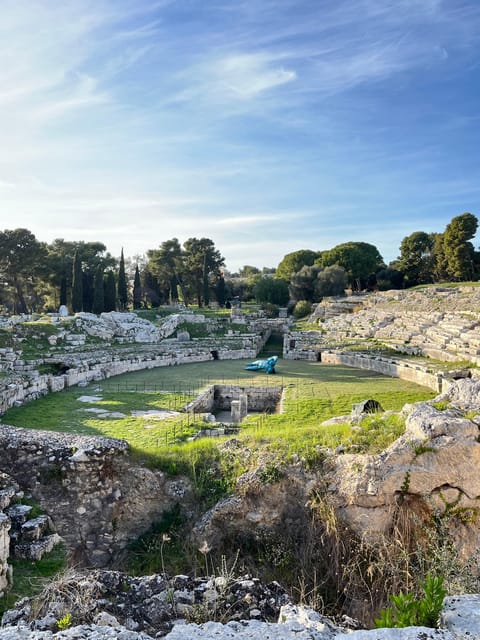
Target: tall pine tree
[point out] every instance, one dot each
(122, 284)
(77, 285)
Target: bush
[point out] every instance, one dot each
(408, 611)
(302, 308)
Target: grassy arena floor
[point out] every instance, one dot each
(314, 393)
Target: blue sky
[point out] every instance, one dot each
(268, 126)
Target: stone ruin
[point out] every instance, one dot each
(239, 400)
(97, 501)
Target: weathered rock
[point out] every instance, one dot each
(461, 616)
(4, 551)
(92, 632)
(153, 603)
(97, 500)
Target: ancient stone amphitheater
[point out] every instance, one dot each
(431, 336)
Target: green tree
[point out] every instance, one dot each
(389, 278)
(122, 284)
(458, 250)
(331, 281)
(359, 259)
(220, 291)
(303, 283)
(202, 261)
(294, 261)
(58, 268)
(21, 255)
(166, 265)
(271, 290)
(110, 292)
(63, 289)
(98, 305)
(416, 260)
(151, 289)
(77, 284)
(248, 271)
(137, 289)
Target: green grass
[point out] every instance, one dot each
(314, 393)
(30, 577)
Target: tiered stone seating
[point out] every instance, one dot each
(443, 322)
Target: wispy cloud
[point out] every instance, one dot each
(265, 124)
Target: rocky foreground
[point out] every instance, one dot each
(460, 620)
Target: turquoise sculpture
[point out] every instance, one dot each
(267, 365)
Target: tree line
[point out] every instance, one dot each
(37, 276)
(84, 276)
(424, 258)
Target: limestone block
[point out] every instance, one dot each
(33, 529)
(461, 616)
(37, 549)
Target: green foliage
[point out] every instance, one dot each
(294, 261)
(271, 290)
(420, 449)
(110, 292)
(416, 259)
(159, 548)
(30, 577)
(331, 281)
(270, 474)
(65, 622)
(77, 284)
(458, 251)
(441, 405)
(409, 611)
(302, 308)
(200, 261)
(98, 292)
(137, 289)
(376, 432)
(20, 255)
(122, 287)
(195, 329)
(303, 283)
(359, 259)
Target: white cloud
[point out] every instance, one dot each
(248, 75)
(241, 220)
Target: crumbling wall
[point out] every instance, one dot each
(219, 397)
(97, 499)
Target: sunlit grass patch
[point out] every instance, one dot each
(313, 394)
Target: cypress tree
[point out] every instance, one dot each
(152, 290)
(63, 290)
(98, 306)
(137, 290)
(110, 292)
(206, 290)
(220, 291)
(88, 283)
(122, 284)
(77, 285)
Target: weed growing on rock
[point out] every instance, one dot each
(409, 611)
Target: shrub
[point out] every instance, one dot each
(302, 308)
(408, 611)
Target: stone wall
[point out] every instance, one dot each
(98, 500)
(4, 552)
(220, 396)
(394, 369)
(18, 390)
